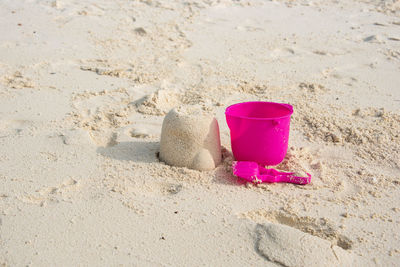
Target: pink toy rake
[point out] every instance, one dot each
(252, 172)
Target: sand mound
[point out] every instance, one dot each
(158, 103)
(190, 138)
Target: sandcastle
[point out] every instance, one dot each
(190, 138)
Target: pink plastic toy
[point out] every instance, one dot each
(252, 172)
(259, 131)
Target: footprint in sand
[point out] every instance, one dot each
(318, 227)
(288, 246)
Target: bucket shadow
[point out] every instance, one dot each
(138, 151)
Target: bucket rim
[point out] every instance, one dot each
(285, 105)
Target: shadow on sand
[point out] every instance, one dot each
(142, 151)
(138, 151)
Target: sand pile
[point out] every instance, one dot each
(190, 138)
(159, 102)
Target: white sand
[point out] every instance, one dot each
(85, 85)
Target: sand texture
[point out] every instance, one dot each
(84, 89)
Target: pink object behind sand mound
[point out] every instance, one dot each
(259, 131)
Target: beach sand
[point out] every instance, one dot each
(85, 86)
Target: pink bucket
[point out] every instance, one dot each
(259, 131)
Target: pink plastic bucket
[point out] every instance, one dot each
(259, 131)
